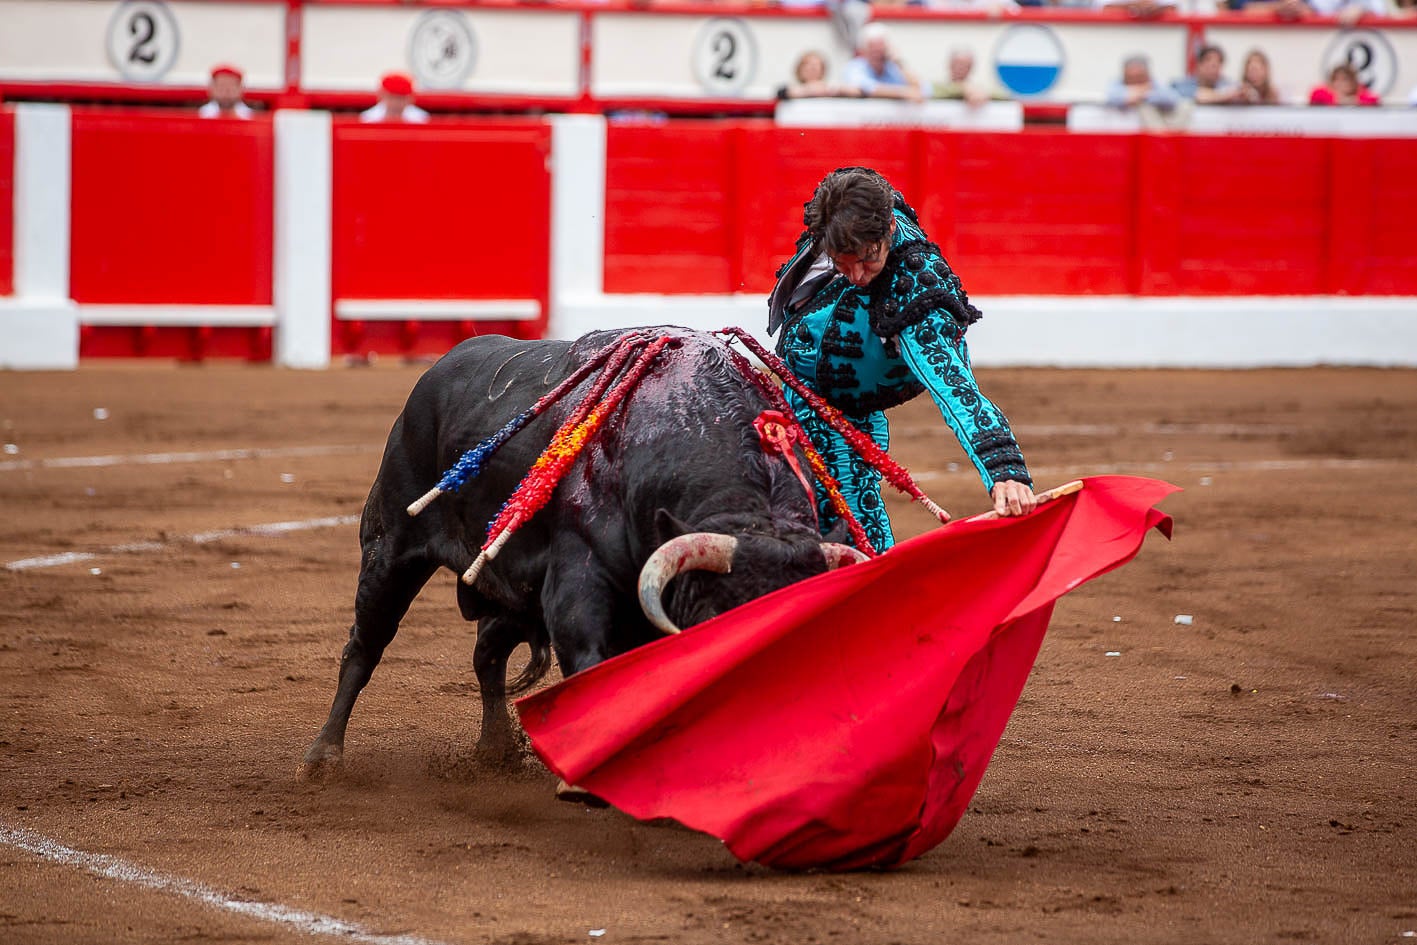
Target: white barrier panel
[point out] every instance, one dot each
(681, 56)
(534, 52)
(1306, 122)
(141, 42)
(1300, 57)
(670, 55)
(1042, 62)
(1276, 120)
(851, 113)
(1102, 119)
(39, 325)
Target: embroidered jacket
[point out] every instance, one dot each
(866, 350)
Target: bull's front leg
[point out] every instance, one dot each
(385, 593)
(578, 601)
(579, 607)
(497, 637)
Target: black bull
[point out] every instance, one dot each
(680, 455)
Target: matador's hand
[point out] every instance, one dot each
(1013, 498)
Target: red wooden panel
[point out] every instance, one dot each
(171, 209)
(1046, 213)
(443, 211)
(698, 208)
(1252, 218)
(1372, 228)
(7, 202)
(715, 208)
(667, 208)
(185, 344)
(781, 167)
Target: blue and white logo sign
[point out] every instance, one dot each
(1029, 59)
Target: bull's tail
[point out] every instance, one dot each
(536, 668)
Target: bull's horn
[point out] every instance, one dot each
(697, 551)
(839, 555)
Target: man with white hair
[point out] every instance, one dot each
(958, 83)
(876, 73)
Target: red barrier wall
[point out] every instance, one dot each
(694, 208)
(171, 210)
(7, 202)
(444, 211)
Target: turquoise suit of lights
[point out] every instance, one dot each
(868, 349)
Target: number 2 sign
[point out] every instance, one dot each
(1369, 53)
(142, 40)
(725, 56)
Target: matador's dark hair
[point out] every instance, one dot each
(850, 211)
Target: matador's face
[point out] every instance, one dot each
(860, 268)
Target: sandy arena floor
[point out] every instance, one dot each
(1247, 778)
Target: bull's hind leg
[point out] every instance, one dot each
(497, 637)
(386, 589)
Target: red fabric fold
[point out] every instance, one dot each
(847, 720)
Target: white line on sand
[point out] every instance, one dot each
(111, 867)
(201, 538)
(216, 456)
(1243, 465)
(160, 459)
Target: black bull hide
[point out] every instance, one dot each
(680, 454)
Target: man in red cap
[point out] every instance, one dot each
(225, 91)
(395, 101)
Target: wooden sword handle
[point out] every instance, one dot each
(1067, 488)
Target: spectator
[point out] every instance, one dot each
(1141, 9)
(958, 84)
(1207, 86)
(1158, 105)
(1287, 10)
(809, 79)
(875, 72)
(1349, 12)
(224, 94)
(395, 101)
(1255, 83)
(991, 7)
(849, 18)
(1343, 88)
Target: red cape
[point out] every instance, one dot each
(847, 720)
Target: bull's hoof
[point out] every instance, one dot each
(574, 795)
(498, 755)
(320, 764)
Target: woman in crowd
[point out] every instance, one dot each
(1256, 85)
(1343, 88)
(810, 80)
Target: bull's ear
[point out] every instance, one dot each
(838, 534)
(667, 527)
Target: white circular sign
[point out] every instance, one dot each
(142, 40)
(725, 56)
(1369, 53)
(1029, 58)
(441, 49)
